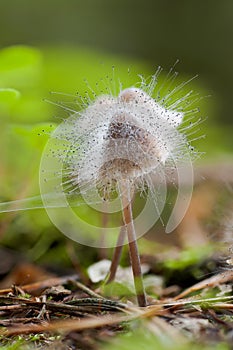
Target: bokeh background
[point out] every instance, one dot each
(199, 33)
(53, 45)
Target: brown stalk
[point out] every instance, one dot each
(116, 255)
(132, 241)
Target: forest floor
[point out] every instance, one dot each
(188, 283)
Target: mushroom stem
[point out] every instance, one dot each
(116, 255)
(124, 191)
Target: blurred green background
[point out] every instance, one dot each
(53, 45)
(199, 33)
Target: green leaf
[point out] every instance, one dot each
(19, 66)
(117, 289)
(189, 257)
(8, 98)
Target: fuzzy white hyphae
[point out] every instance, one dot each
(127, 138)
